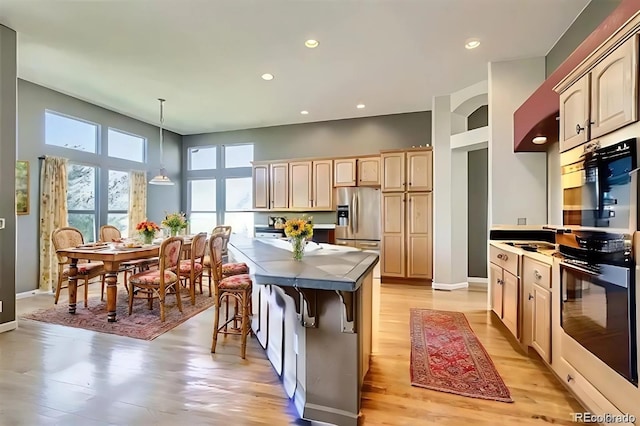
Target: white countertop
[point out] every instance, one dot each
(544, 257)
(315, 226)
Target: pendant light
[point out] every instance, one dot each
(162, 178)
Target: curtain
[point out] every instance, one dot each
(53, 215)
(137, 199)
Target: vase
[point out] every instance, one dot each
(174, 232)
(147, 237)
(298, 245)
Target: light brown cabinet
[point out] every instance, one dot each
(504, 278)
(407, 236)
(369, 171)
(536, 277)
(279, 185)
(602, 100)
(344, 172)
(322, 185)
(300, 185)
(260, 175)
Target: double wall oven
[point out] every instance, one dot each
(598, 272)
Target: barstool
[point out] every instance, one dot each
(238, 287)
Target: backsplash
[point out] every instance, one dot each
(262, 218)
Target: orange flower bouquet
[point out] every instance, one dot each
(148, 230)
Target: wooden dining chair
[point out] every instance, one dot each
(228, 269)
(69, 237)
(191, 270)
(158, 283)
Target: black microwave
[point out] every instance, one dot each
(597, 189)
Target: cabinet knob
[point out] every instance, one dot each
(410, 184)
(500, 256)
(530, 296)
(569, 378)
(537, 275)
(579, 129)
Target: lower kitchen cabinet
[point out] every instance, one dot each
(510, 302)
(495, 277)
(504, 278)
(541, 324)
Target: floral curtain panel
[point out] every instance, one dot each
(137, 199)
(53, 215)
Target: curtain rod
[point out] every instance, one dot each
(42, 157)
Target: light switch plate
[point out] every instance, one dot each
(1, 222)
(522, 221)
(0, 306)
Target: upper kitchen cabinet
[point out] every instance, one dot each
(600, 95)
(261, 186)
(279, 185)
(344, 172)
(300, 185)
(574, 114)
(614, 94)
(369, 171)
(322, 185)
(407, 170)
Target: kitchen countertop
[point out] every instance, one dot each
(315, 226)
(543, 255)
(323, 267)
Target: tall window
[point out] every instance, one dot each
(202, 203)
(126, 146)
(81, 199)
(219, 188)
(118, 204)
(72, 133)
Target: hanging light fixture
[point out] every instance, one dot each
(162, 178)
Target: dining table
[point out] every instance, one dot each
(112, 257)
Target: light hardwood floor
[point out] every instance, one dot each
(58, 375)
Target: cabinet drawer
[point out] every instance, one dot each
(509, 261)
(536, 272)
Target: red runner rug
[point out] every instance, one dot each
(447, 356)
(142, 324)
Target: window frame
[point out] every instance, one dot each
(199, 147)
(97, 141)
(145, 146)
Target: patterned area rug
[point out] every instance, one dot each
(447, 356)
(142, 324)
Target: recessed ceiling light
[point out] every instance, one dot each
(360, 106)
(539, 140)
(472, 43)
(267, 76)
(311, 43)
(304, 112)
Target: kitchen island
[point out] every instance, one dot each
(314, 319)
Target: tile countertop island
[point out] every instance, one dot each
(314, 319)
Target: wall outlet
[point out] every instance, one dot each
(522, 221)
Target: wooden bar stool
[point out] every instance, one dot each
(237, 287)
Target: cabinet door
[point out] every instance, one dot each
(261, 186)
(419, 236)
(495, 278)
(541, 332)
(393, 235)
(393, 172)
(369, 171)
(300, 189)
(419, 170)
(280, 186)
(510, 301)
(614, 89)
(574, 114)
(344, 172)
(323, 185)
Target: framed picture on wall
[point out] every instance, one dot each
(22, 187)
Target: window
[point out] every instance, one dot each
(202, 196)
(81, 199)
(126, 146)
(118, 203)
(238, 156)
(70, 132)
(202, 158)
(238, 200)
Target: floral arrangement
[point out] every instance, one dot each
(299, 227)
(175, 221)
(148, 229)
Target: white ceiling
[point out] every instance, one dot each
(206, 56)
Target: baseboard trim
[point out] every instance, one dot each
(31, 293)
(449, 287)
(8, 326)
(477, 280)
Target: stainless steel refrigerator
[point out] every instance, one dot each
(358, 217)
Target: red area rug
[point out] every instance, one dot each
(142, 324)
(446, 356)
